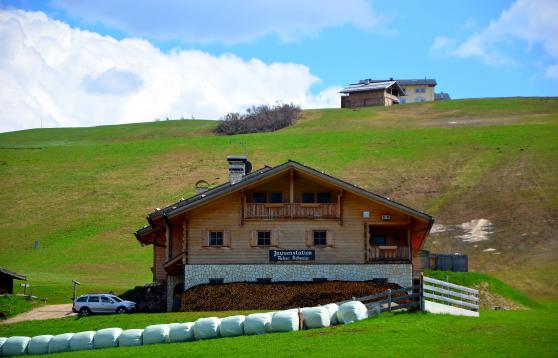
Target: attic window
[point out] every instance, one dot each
(324, 198)
(259, 198)
(276, 197)
(308, 197)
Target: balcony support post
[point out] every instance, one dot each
(291, 188)
(409, 244)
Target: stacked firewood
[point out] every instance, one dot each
(275, 296)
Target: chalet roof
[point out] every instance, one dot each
(364, 86)
(199, 199)
(13, 274)
(411, 82)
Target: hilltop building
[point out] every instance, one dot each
(442, 96)
(367, 93)
(283, 223)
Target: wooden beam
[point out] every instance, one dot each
(409, 244)
(242, 206)
(291, 195)
(185, 240)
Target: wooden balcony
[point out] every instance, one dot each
(388, 253)
(329, 211)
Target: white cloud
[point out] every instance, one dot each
(222, 21)
(68, 77)
(525, 22)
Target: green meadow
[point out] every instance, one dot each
(526, 333)
(82, 192)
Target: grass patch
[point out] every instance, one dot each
(496, 286)
(11, 305)
(494, 334)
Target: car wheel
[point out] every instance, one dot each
(121, 310)
(84, 311)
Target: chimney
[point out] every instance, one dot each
(239, 166)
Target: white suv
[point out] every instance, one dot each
(102, 303)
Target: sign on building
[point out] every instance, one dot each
(292, 255)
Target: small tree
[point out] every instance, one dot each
(259, 119)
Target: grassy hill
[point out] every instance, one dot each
(81, 192)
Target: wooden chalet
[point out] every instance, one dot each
(283, 223)
(367, 93)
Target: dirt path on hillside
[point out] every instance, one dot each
(41, 313)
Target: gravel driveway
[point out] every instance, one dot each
(41, 313)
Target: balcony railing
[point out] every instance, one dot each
(291, 211)
(388, 253)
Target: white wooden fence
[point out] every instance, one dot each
(444, 297)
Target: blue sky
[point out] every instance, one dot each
(472, 48)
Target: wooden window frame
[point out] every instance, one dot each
(222, 238)
(330, 238)
(206, 238)
(273, 239)
(268, 239)
(324, 244)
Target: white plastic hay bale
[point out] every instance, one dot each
(232, 326)
(285, 321)
(106, 338)
(316, 317)
(39, 344)
(60, 343)
(2, 340)
(181, 332)
(82, 341)
(206, 328)
(15, 346)
(156, 334)
(257, 323)
(352, 311)
(332, 309)
(131, 338)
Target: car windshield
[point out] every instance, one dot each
(116, 298)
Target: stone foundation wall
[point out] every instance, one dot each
(172, 280)
(402, 274)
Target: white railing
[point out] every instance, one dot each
(444, 297)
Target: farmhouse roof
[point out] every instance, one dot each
(408, 82)
(369, 85)
(223, 189)
(13, 274)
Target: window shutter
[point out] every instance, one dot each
(275, 238)
(309, 238)
(253, 238)
(205, 238)
(227, 238)
(329, 239)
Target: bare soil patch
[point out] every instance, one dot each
(274, 296)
